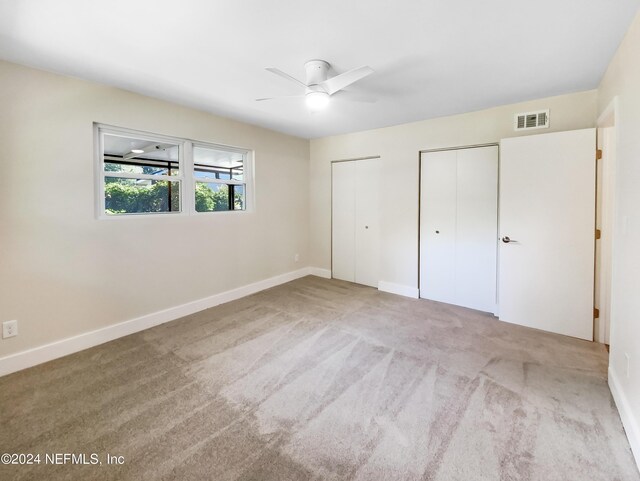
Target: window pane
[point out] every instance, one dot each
(209, 174)
(128, 154)
(237, 174)
(217, 163)
(135, 196)
(239, 201)
(211, 197)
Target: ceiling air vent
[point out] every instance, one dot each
(532, 120)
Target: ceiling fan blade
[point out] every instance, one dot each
(286, 76)
(281, 97)
(341, 81)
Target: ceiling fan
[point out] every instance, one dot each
(319, 87)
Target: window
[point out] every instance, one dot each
(141, 175)
(146, 174)
(219, 179)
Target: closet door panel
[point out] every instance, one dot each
(343, 214)
(437, 226)
(477, 228)
(367, 223)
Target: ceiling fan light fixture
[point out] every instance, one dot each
(317, 100)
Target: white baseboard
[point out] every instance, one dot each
(47, 352)
(399, 289)
(318, 271)
(629, 420)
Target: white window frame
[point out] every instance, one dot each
(246, 174)
(186, 179)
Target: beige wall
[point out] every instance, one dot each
(62, 272)
(399, 146)
(623, 80)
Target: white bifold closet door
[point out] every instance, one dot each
(355, 221)
(458, 226)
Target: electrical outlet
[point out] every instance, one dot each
(626, 356)
(296, 257)
(9, 329)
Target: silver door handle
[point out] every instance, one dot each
(508, 240)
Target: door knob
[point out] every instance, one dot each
(507, 240)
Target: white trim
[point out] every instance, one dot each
(37, 355)
(629, 421)
(212, 180)
(225, 148)
(100, 130)
(609, 116)
(319, 272)
(399, 289)
(130, 175)
(606, 127)
(250, 181)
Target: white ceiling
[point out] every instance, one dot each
(431, 57)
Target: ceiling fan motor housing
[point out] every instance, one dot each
(317, 71)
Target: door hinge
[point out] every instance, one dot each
(598, 154)
(596, 313)
(598, 234)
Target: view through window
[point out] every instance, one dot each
(145, 174)
(219, 179)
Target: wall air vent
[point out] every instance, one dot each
(532, 120)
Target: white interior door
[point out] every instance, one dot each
(547, 213)
(367, 224)
(458, 227)
(343, 206)
(438, 226)
(476, 264)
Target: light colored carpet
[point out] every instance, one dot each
(320, 379)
